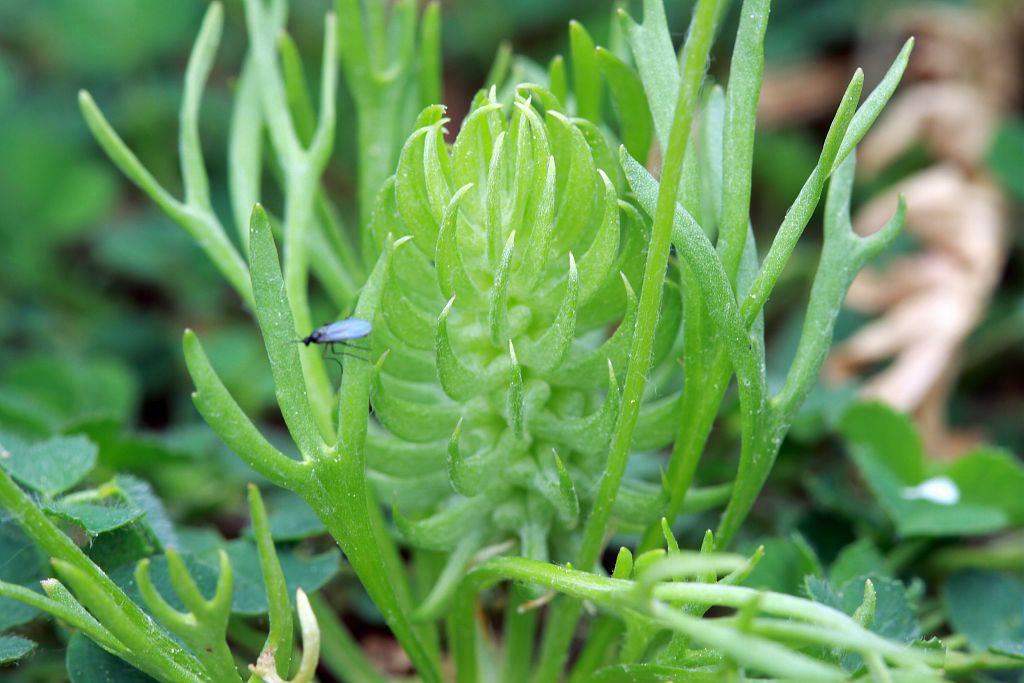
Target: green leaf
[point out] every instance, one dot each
(586, 367)
(87, 663)
(893, 617)
(413, 418)
(656, 63)
(20, 563)
(232, 425)
(651, 673)
(978, 494)
(987, 607)
(586, 80)
(13, 648)
(67, 394)
(991, 477)
(139, 494)
(279, 334)
(412, 196)
(444, 530)
(635, 122)
(53, 466)
(588, 434)
(576, 182)
(860, 558)
(596, 262)
(546, 352)
(657, 423)
(94, 518)
(497, 313)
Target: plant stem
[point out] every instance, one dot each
(695, 56)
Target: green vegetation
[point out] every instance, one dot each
(562, 291)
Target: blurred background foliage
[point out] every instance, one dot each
(96, 284)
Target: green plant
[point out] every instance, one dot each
(532, 288)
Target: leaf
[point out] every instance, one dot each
(445, 529)
(95, 518)
(53, 466)
(596, 262)
(413, 420)
(13, 648)
(635, 122)
(586, 80)
(894, 615)
(87, 663)
(139, 494)
(586, 367)
(657, 423)
(992, 477)
(860, 558)
(978, 494)
(576, 181)
(20, 563)
(547, 351)
(412, 195)
(987, 607)
(656, 63)
(279, 334)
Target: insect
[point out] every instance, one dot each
(341, 332)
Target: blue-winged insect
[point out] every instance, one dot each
(342, 333)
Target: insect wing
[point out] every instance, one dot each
(344, 330)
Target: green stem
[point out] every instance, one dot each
(339, 496)
(694, 59)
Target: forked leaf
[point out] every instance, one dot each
(233, 426)
(280, 336)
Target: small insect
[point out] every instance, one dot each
(342, 333)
